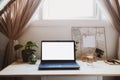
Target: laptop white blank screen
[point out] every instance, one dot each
(57, 50)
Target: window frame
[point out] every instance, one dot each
(96, 15)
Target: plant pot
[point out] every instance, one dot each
(25, 56)
(32, 59)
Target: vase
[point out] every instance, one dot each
(32, 59)
(25, 56)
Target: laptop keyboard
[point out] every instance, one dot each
(58, 64)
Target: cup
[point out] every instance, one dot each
(83, 58)
(89, 60)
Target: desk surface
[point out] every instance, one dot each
(100, 68)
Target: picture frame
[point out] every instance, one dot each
(78, 33)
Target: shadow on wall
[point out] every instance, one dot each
(3, 44)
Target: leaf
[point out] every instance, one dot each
(18, 46)
(99, 52)
(35, 45)
(28, 47)
(30, 44)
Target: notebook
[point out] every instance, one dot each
(58, 55)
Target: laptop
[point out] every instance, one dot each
(58, 55)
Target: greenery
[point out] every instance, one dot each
(28, 51)
(32, 59)
(29, 47)
(99, 52)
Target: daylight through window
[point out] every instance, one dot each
(69, 9)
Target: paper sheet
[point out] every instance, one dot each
(89, 41)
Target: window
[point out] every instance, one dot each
(68, 9)
(3, 3)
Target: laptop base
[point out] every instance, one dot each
(58, 66)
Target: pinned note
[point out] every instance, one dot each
(89, 41)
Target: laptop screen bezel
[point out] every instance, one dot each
(58, 41)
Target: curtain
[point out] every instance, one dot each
(112, 10)
(13, 22)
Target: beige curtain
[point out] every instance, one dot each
(112, 10)
(13, 22)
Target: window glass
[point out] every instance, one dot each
(69, 9)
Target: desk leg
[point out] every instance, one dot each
(99, 77)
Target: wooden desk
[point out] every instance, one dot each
(20, 69)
